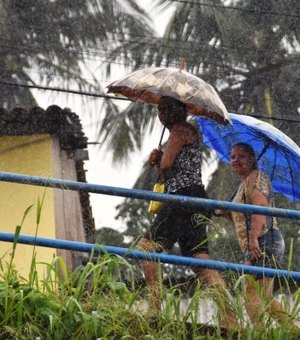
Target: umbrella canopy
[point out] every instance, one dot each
(277, 154)
(149, 84)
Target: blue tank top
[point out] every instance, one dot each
(186, 170)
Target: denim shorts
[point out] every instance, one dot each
(272, 246)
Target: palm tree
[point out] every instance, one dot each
(53, 40)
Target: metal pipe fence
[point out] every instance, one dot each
(147, 195)
(150, 256)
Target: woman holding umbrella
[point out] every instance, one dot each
(180, 170)
(258, 235)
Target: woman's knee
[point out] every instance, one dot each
(201, 256)
(210, 276)
(199, 270)
(149, 245)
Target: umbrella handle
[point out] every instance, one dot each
(159, 145)
(161, 137)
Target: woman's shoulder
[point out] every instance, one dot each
(262, 177)
(187, 132)
(258, 175)
(252, 178)
(259, 180)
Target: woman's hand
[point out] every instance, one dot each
(255, 251)
(155, 157)
(222, 213)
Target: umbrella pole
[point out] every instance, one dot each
(161, 137)
(159, 147)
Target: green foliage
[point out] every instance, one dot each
(103, 300)
(63, 305)
(57, 38)
(16, 237)
(110, 237)
(122, 132)
(290, 231)
(92, 302)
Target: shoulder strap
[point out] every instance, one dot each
(232, 197)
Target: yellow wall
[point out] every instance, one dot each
(30, 155)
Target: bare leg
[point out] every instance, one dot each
(260, 299)
(151, 273)
(213, 279)
(254, 305)
(275, 309)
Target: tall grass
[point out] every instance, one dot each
(94, 302)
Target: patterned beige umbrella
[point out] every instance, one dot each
(149, 84)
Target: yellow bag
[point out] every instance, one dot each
(155, 206)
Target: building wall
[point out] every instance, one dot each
(68, 213)
(38, 155)
(31, 155)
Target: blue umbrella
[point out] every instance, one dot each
(277, 154)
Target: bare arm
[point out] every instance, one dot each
(175, 143)
(257, 223)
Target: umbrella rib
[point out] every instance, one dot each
(292, 177)
(274, 165)
(263, 151)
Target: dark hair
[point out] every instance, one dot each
(249, 149)
(176, 107)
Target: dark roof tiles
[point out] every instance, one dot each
(54, 120)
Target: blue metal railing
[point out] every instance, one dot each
(147, 195)
(141, 255)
